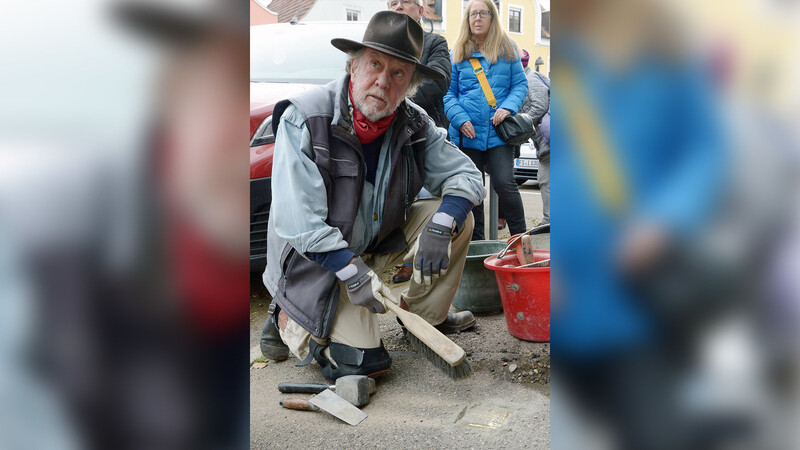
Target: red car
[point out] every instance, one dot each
(284, 59)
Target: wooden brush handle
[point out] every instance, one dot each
(426, 333)
(298, 404)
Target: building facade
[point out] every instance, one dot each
(526, 21)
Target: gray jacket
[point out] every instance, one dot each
(536, 104)
(299, 212)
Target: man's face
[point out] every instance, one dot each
(380, 83)
(203, 183)
(408, 7)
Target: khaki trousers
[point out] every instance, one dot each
(355, 326)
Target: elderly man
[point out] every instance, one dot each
(349, 159)
(430, 93)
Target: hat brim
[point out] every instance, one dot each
(173, 24)
(346, 45)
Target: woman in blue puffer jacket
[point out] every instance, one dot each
(471, 117)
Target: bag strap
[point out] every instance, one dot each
(487, 90)
(543, 80)
(593, 145)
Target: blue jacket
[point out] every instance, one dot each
(465, 100)
(667, 141)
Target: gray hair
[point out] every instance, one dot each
(416, 2)
(416, 79)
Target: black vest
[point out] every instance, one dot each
(307, 292)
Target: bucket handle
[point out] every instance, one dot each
(542, 263)
(541, 229)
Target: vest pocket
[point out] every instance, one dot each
(344, 199)
(344, 167)
(307, 292)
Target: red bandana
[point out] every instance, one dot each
(366, 130)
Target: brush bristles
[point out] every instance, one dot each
(460, 370)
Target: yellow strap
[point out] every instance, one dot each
(593, 144)
(487, 90)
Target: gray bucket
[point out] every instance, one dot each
(478, 291)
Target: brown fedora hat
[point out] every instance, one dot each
(396, 35)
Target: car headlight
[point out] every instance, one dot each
(263, 134)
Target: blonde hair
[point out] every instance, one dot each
(497, 45)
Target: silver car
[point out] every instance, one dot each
(526, 167)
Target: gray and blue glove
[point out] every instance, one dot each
(364, 287)
(431, 252)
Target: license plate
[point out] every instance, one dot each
(527, 163)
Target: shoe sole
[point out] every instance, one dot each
(458, 329)
(371, 375)
(275, 353)
(444, 329)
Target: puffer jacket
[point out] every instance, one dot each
(465, 100)
(430, 93)
(536, 105)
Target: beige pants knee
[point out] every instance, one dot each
(355, 326)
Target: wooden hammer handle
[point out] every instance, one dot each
(298, 404)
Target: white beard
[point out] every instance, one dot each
(373, 113)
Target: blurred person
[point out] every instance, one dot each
(429, 94)
(472, 117)
(640, 174)
(149, 352)
(324, 260)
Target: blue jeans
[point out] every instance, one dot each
(498, 162)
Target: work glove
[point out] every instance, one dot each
(431, 252)
(364, 287)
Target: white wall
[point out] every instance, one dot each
(326, 10)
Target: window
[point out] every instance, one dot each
(433, 10)
(352, 15)
(542, 22)
(545, 24)
(514, 20)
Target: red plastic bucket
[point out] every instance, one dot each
(525, 293)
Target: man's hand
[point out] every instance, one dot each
(500, 115)
(641, 246)
(432, 249)
(364, 287)
(467, 130)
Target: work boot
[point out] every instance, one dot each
(456, 322)
(272, 346)
(403, 275)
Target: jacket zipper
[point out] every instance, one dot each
(409, 185)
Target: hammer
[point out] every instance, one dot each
(353, 388)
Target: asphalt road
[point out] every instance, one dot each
(504, 404)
